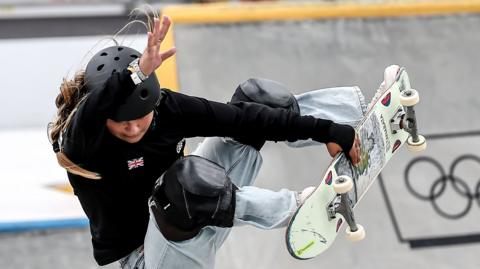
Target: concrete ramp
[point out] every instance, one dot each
(344, 47)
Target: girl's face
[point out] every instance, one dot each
(130, 131)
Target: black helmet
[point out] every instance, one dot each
(144, 97)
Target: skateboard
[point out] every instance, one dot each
(387, 125)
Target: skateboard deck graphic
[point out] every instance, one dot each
(313, 228)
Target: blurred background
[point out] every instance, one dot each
(422, 213)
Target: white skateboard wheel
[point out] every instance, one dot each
(356, 236)
(421, 145)
(342, 184)
(409, 97)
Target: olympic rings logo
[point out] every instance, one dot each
(440, 184)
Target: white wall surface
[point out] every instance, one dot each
(33, 69)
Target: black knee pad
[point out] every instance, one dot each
(266, 92)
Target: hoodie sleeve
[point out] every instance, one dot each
(201, 117)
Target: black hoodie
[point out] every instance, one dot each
(116, 205)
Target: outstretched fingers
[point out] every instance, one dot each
(169, 53)
(159, 31)
(152, 58)
(163, 30)
(153, 43)
(158, 34)
(151, 40)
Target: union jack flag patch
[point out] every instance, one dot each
(180, 145)
(135, 163)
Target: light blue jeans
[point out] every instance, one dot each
(261, 208)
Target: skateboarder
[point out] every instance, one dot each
(117, 132)
(187, 226)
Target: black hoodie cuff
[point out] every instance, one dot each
(343, 135)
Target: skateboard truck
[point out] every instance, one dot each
(405, 119)
(397, 122)
(343, 206)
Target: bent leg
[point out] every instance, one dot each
(344, 105)
(242, 163)
(258, 207)
(263, 208)
(195, 253)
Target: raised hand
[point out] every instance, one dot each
(152, 57)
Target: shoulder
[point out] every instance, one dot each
(176, 102)
(173, 96)
(170, 97)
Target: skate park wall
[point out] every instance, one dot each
(32, 184)
(313, 46)
(304, 46)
